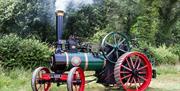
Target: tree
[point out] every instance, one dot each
(169, 32)
(122, 14)
(153, 21)
(26, 17)
(147, 23)
(85, 22)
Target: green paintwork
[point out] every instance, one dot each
(94, 63)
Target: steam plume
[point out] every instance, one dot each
(63, 4)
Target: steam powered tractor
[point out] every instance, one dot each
(113, 65)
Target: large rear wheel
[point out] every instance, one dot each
(133, 71)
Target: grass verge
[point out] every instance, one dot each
(168, 79)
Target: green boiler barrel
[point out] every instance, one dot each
(86, 61)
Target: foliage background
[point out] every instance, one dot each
(154, 24)
(27, 36)
(23, 53)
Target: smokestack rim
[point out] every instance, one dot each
(59, 12)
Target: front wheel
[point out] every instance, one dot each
(37, 82)
(76, 80)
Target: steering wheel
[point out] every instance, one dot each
(114, 45)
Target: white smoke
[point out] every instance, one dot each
(63, 4)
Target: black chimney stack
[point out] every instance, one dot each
(59, 29)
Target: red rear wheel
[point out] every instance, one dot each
(37, 80)
(76, 80)
(133, 71)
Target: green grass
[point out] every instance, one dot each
(168, 69)
(15, 80)
(168, 79)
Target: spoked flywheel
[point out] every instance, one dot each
(133, 71)
(114, 45)
(37, 82)
(76, 80)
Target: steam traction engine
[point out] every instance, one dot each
(113, 65)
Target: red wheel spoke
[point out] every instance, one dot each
(139, 81)
(142, 78)
(128, 80)
(138, 64)
(124, 72)
(126, 68)
(131, 82)
(143, 67)
(128, 62)
(141, 72)
(76, 75)
(126, 76)
(132, 62)
(45, 87)
(135, 82)
(136, 61)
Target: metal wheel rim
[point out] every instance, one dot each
(70, 80)
(34, 80)
(126, 79)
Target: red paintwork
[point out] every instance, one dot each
(126, 66)
(64, 77)
(46, 77)
(82, 77)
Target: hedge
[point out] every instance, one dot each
(161, 54)
(26, 53)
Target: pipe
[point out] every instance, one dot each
(59, 29)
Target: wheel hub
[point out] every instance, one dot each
(115, 47)
(77, 82)
(134, 72)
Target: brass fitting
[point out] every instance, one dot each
(60, 13)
